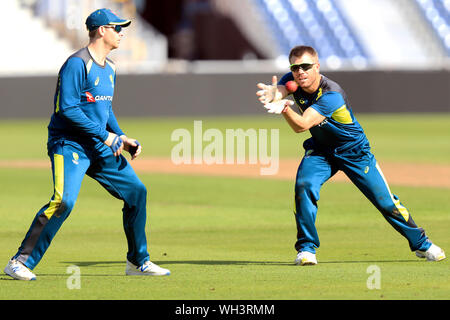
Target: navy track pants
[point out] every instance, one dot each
(363, 170)
(70, 163)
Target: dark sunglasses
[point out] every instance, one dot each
(301, 66)
(116, 28)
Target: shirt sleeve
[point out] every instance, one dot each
(72, 77)
(328, 103)
(112, 124)
(287, 77)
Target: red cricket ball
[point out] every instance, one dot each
(291, 86)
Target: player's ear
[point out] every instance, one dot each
(101, 31)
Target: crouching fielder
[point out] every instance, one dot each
(85, 139)
(338, 142)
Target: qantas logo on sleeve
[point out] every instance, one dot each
(90, 97)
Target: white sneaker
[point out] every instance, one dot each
(434, 253)
(18, 271)
(305, 258)
(147, 269)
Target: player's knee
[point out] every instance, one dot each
(304, 186)
(64, 207)
(306, 189)
(387, 207)
(139, 191)
(384, 203)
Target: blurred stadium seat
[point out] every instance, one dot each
(316, 23)
(437, 14)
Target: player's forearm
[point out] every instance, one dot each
(112, 124)
(82, 124)
(296, 121)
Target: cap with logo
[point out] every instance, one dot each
(103, 17)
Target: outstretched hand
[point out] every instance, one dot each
(268, 93)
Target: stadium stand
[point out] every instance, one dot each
(316, 23)
(252, 24)
(59, 25)
(437, 14)
(234, 35)
(24, 43)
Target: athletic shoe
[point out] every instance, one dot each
(305, 258)
(18, 271)
(147, 269)
(434, 253)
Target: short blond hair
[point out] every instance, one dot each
(299, 51)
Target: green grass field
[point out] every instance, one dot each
(231, 238)
(412, 138)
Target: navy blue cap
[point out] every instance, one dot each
(103, 17)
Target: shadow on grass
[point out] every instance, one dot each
(210, 262)
(195, 262)
(228, 262)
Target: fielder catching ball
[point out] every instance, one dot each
(338, 142)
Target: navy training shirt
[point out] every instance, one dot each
(340, 131)
(83, 101)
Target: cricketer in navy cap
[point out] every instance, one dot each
(103, 17)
